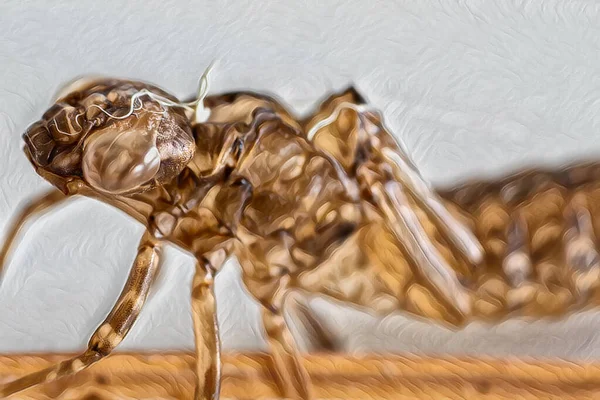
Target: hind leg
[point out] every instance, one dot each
(114, 328)
(371, 269)
(355, 138)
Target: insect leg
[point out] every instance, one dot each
(114, 328)
(289, 373)
(206, 333)
(33, 208)
(355, 138)
(347, 129)
(317, 338)
(406, 226)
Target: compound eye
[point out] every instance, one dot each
(121, 158)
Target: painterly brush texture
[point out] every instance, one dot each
(329, 204)
(170, 376)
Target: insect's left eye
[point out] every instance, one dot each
(121, 157)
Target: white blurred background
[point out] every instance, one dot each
(473, 88)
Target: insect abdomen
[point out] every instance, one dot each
(539, 230)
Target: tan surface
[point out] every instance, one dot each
(246, 376)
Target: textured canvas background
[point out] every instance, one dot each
(472, 87)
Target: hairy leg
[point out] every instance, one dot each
(114, 328)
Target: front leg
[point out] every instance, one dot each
(114, 328)
(34, 208)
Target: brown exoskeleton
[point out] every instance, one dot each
(329, 204)
(247, 182)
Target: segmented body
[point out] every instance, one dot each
(329, 205)
(259, 189)
(298, 214)
(547, 218)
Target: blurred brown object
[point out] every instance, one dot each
(246, 376)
